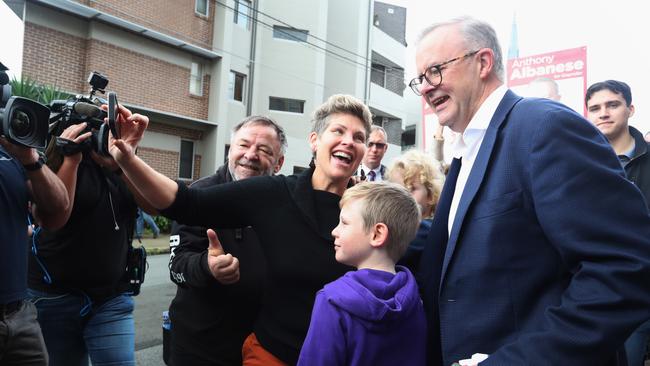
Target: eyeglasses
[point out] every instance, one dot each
(433, 74)
(379, 145)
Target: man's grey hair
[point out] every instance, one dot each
(477, 34)
(263, 121)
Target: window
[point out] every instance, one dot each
(291, 34)
(236, 86)
(242, 12)
(186, 163)
(378, 74)
(286, 105)
(201, 7)
(196, 79)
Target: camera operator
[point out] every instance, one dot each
(77, 278)
(23, 177)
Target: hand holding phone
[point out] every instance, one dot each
(112, 115)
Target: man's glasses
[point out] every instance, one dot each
(433, 74)
(379, 145)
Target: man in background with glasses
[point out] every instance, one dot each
(371, 167)
(530, 259)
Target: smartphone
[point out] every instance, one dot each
(112, 115)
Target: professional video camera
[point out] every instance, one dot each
(22, 121)
(80, 109)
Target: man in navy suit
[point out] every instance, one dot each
(539, 253)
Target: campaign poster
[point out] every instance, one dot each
(559, 75)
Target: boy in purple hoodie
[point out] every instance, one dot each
(372, 316)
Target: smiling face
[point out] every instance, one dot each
(254, 150)
(351, 240)
(339, 148)
(458, 97)
(609, 112)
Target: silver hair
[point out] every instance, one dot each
(477, 34)
(264, 121)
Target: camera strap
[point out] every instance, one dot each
(68, 147)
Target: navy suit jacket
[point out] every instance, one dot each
(548, 260)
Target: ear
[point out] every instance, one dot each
(631, 110)
(378, 235)
(313, 141)
(486, 62)
(278, 165)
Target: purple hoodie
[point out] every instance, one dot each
(367, 317)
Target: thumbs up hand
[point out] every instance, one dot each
(224, 267)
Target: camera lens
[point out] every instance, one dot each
(21, 124)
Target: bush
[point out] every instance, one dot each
(163, 223)
(29, 88)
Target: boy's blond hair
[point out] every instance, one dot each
(414, 165)
(390, 204)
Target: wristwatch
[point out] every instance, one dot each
(36, 165)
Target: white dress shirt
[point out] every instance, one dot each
(467, 145)
(378, 176)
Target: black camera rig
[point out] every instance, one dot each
(29, 123)
(22, 121)
(80, 108)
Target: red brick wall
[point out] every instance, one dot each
(146, 81)
(54, 58)
(166, 162)
(184, 133)
(172, 17)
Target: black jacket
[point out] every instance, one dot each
(638, 168)
(294, 224)
(89, 252)
(210, 321)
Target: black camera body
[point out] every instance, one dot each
(78, 109)
(23, 121)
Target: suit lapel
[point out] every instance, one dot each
(478, 173)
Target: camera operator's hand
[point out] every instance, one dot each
(72, 133)
(26, 155)
(132, 127)
(224, 267)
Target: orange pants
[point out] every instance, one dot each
(253, 354)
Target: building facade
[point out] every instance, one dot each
(197, 67)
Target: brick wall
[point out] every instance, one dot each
(166, 162)
(54, 58)
(184, 133)
(146, 81)
(172, 17)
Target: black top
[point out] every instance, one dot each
(638, 168)
(13, 229)
(210, 320)
(89, 253)
(295, 234)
